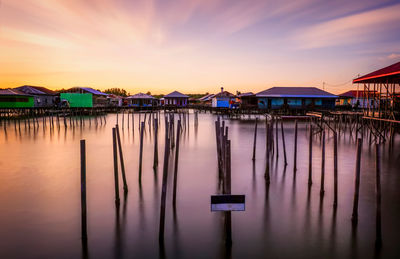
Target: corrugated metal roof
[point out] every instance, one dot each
(92, 91)
(304, 92)
(206, 97)
(35, 90)
(175, 94)
(245, 94)
(140, 96)
(12, 92)
(85, 89)
(114, 96)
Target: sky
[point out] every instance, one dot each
(195, 46)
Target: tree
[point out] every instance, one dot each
(117, 91)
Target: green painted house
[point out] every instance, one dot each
(11, 98)
(77, 100)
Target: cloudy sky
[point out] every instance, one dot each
(195, 46)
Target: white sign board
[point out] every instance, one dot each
(227, 202)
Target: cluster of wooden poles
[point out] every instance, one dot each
(224, 162)
(224, 171)
(374, 129)
(172, 142)
(272, 146)
(72, 117)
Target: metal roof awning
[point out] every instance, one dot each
(387, 74)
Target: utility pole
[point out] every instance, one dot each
(323, 86)
(357, 89)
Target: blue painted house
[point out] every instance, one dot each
(295, 98)
(223, 99)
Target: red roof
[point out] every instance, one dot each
(392, 70)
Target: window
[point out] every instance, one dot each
(294, 102)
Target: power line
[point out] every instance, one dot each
(336, 85)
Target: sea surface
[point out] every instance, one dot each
(40, 209)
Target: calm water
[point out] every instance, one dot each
(40, 196)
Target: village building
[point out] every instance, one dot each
(206, 100)
(11, 98)
(295, 98)
(384, 103)
(42, 96)
(247, 100)
(141, 100)
(176, 99)
(356, 99)
(193, 101)
(115, 100)
(223, 99)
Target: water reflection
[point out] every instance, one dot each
(332, 237)
(120, 229)
(285, 218)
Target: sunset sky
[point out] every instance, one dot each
(195, 46)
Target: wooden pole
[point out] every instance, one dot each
(141, 151)
(322, 191)
(222, 141)
(271, 137)
(283, 143)
(378, 240)
(271, 133)
(228, 216)
(354, 217)
(267, 139)
(217, 135)
(140, 120)
(116, 185)
(117, 116)
(172, 130)
(155, 161)
(83, 191)
(123, 118)
(121, 158)
(310, 156)
(255, 141)
(295, 148)
(178, 129)
(276, 137)
(335, 170)
(164, 188)
(133, 121)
